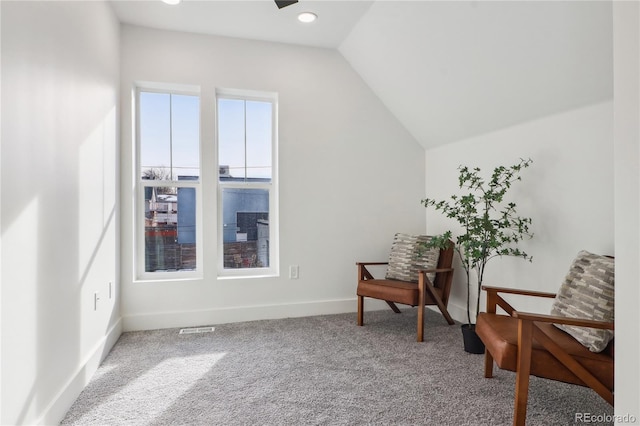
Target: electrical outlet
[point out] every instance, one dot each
(96, 297)
(294, 272)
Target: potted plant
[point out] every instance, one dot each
(491, 228)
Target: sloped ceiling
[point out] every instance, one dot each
(448, 70)
(451, 70)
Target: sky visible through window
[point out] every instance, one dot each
(244, 137)
(170, 134)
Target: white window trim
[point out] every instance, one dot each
(140, 275)
(274, 233)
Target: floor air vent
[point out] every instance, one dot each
(196, 330)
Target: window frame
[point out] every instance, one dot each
(271, 187)
(140, 275)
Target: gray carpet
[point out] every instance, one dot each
(321, 370)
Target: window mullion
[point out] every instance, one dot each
(246, 171)
(171, 136)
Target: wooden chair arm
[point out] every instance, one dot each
(490, 289)
(428, 271)
(580, 322)
(363, 272)
(494, 299)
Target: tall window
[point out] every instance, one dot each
(168, 183)
(247, 218)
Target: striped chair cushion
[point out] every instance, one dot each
(408, 256)
(588, 292)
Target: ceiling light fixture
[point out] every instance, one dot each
(171, 2)
(307, 17)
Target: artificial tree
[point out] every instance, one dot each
(492, 227)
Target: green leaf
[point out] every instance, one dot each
(492, 227)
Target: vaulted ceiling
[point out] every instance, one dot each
(448, 70)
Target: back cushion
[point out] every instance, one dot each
(588, 292)
(408, 256)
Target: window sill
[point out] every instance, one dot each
(247, 274)
(168, 277)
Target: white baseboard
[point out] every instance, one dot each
(57, 409)
(458, 313)
(242, 313)
(176, 319)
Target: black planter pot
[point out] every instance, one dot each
(472, 342)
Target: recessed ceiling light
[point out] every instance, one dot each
(171, 2)
(307, 17)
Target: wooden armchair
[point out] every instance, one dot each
(530, 344)
(420, 293)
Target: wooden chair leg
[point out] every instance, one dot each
(421, 300)
(488, 364)
(439, 303)
(393, 307)
(421, 322)
(360, 310)
(523, 369)
(446, 314)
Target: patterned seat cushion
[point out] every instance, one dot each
(408, 256)
(588, 292)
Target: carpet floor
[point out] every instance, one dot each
(321, 370)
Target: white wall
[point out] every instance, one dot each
(567, 191)
(627, 204)
(59, 204)
(450, 70)
(350, 177)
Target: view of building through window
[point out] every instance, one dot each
(170, 240)
(245, 145)
(169, 181)
(246, 227)
(169, 172)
